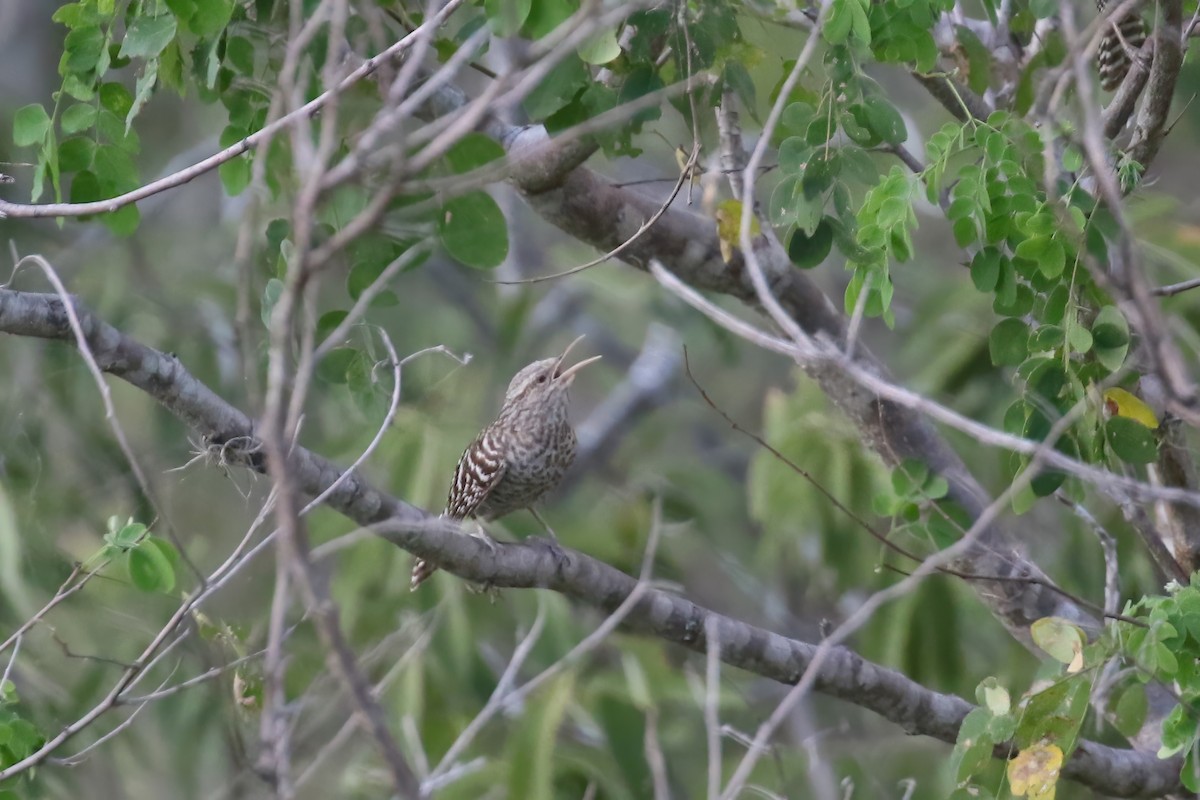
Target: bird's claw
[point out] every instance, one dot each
(489, 589)
(561, 557)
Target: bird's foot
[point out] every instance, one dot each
(561, 557)
(485, 588)
(490, 589)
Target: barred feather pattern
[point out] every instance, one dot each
(1120, 44)
(515, 460)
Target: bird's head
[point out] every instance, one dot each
(545, 380)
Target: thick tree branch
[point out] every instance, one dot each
(591, 209)
(1151, 126)
(844, 674)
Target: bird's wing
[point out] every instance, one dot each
(479, 470)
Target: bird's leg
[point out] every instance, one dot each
(551, 542)
(538, 517)
(480, 533)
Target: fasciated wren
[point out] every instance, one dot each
(514, 461)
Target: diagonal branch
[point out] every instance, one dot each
(591, 209)
(843, 673)
(1151, 126)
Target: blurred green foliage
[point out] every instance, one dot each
(995, 283)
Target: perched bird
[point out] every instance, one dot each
(520, 456)
(1122, 40)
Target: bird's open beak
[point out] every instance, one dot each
(567, 375)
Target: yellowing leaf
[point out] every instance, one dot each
(1060, 639)
(1034, 772)
(1120, 403)
(997, 700)
(729, 226)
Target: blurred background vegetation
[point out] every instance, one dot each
(745, 534)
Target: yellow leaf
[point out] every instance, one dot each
(1034, 771)
(726, 250)
(729, 223)
(1061, 639)
(1120, 403)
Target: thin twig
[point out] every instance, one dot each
(712, 696)
(649, 223)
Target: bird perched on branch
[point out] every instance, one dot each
(1123, 38)
(520, 456)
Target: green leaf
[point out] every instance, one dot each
(979, 62)
(1110, 338)
(1080, 338)
(472, 151)
(506, 16)
(807, 251)
(973, 750)
(736, 76)
(1110, 330)
(1179, 730)
(641, 81)
(148, 36)
(624, 727)
(1129, 711)
(78, 117)
(74, 15)
(116, 98)
(1008, 342)
(83, 48)
(600, 48)
(532, 751)
(336, 364)
(30, 125)
(473, 230)
(129, 535)
(271, 294)
(76, 154)
(369, 264)
(235, 174)
(546, 15)
(854, 123)
(1044, 251)
(798, 116)
(556, 90)
(839, 22)
(165, 547)
(1131, 440)
(993, 696)
(122, 222)
(115, 170)
(884, 120)
(1043, 9)
(145, 85)
(211, 17)
(85, 188)
(329, 322)
(794, 154)
(985, 269)
(150, 570)
(239, 53)
(909, 476)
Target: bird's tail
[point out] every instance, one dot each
(421, 571)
